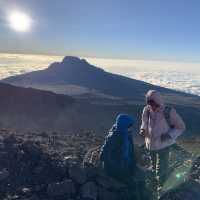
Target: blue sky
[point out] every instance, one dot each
(132, 29)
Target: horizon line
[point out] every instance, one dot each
(106, 58)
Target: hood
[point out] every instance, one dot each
(123, 122)
(155, 96)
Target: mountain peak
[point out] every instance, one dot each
(73, 60)
(72, 64)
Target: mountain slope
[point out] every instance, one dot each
(74, 76)
(26, 109)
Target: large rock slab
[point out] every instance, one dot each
(189, 190)
(4, 174)
(77, 174)
(65, 187)
(105, 195)
(89, 191)
(109, 183)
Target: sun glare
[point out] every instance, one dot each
(19, 21)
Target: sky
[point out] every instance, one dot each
(123, 29)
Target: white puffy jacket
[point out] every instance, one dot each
(155, 124)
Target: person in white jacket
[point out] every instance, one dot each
(160, 133)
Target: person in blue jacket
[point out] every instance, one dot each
(117, 153)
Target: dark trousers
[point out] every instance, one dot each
(160, 164)
(160, 170)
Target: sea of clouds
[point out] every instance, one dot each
(187, 82)
(181, 76)
(175, 75)
(14, 64)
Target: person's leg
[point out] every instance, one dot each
(153, 155)
(152, 180)
(163, 165)
(162, 169)
(160, 163)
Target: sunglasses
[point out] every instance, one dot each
(152, 103)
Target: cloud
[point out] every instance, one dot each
(144, 65)
(13, 64)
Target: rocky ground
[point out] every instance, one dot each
(40, 166)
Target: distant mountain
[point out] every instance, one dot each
(74, 76)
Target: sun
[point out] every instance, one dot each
(19, 21)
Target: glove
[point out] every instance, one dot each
(143, 132)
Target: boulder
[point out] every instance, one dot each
(34, 197)
(104, 194)
(59, 168)
(3, 158)
(39, 188)
(189, 190)
(70, 160)
(26, 191)
(31, 148)
(10, 140)
(4, 174)
(109, 183)
(77, 174)
(65, 187)
(91, 171)
(89, 191)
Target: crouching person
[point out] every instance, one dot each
(117, 155)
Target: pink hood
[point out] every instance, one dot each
(155, 96)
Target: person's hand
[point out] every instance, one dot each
(165, 137)
(143, 132)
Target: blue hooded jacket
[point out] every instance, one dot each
(123, 122)
(118, 147)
